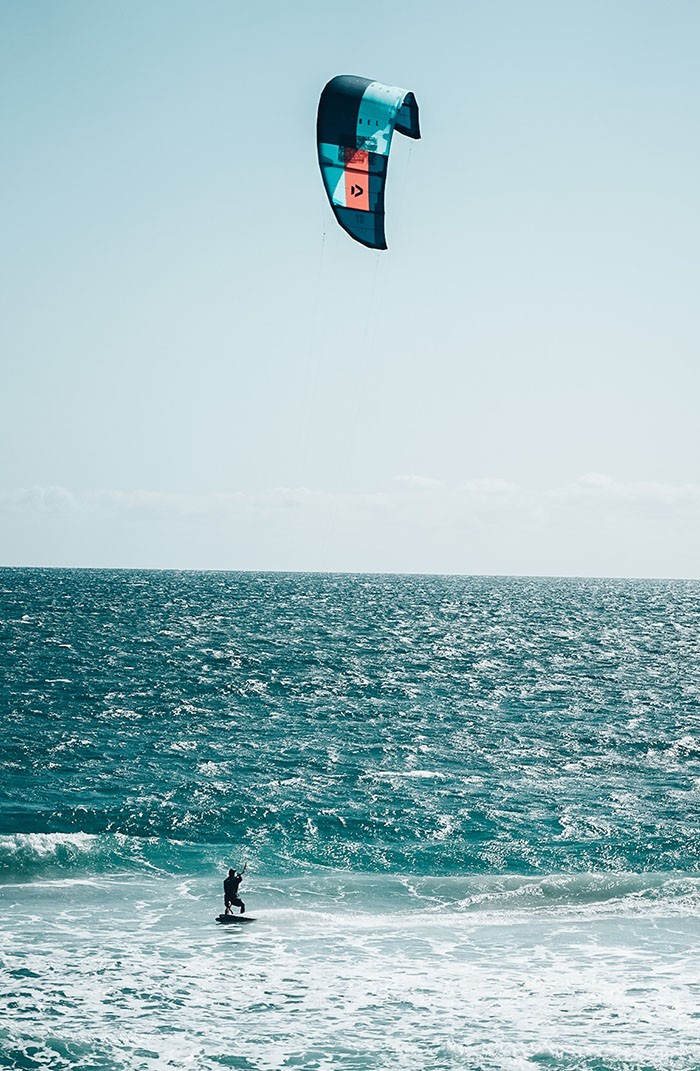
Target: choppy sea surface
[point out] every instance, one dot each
(469, 808)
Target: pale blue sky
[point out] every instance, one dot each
(201, 370)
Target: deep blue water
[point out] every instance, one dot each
(472, 750)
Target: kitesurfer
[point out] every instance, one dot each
(231, 897)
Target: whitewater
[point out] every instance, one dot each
(468, 809)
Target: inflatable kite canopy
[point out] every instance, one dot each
(356, 120)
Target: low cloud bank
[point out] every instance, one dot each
(594, 525)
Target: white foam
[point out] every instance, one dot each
(140, 967)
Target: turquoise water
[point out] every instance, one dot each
(469, 809)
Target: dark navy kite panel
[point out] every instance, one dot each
(356, 120)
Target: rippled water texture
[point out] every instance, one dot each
(469, 808)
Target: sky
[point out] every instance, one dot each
(201, 370)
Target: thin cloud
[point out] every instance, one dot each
(39, 500)
(592, 490)
(594, 525)
(604, 493)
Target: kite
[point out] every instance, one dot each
(355, 124)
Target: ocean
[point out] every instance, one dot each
(468, 808)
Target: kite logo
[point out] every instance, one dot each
(357, 179)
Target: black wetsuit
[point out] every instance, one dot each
(231, 897)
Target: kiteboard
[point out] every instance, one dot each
(227, 919)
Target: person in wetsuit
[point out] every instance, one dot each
(231, 897)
